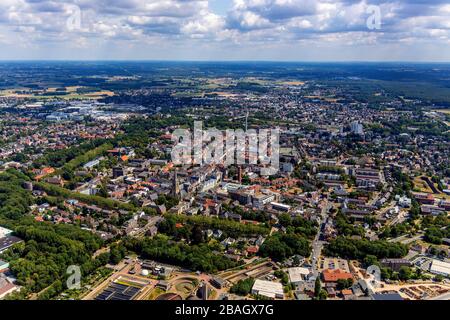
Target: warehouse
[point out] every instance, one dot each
(440, 267)
(268, 289)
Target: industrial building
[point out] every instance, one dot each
(268, 289)
(440, 267)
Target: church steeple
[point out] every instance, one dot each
(175, 184)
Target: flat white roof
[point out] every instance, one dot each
(281, 205)
(268, 288)
(297, 274)
(4, 232)
(232, 186)
(441, 267)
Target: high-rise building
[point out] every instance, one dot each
(357, 128)
(240, 174)
(175, 185)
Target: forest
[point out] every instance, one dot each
(281, 246)
(189, 225)
(200, 257)
(350, 248)
(41, 260)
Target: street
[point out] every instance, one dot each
(317, 244)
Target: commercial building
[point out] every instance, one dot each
(431, 209)
(280, 206)
(261, 200)
(219, 283)
(297, 275)
(332, 263)
(268, 289)
(243, 196)
(92, 163)
(395, 264)
(440, 267)
(424, 198)
(335, 275)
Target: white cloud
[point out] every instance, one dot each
(248, 22)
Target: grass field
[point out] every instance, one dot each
(422, 185)
(155, 293)
(184, 287)
(293, 83)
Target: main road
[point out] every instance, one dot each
(317, 243)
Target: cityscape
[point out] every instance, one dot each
(255, 153)
(356, 210)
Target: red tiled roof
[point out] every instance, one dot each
(335, 275)
(6, 288)
(252, 249)
(347, 292)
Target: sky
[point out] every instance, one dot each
(281, 30)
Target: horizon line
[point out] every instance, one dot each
(225, 61)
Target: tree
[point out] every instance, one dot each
(285, 219)
(405, 273)
(282, 246)
(197, 235)
(438, 278)
(317, 288)
(280, 274)
(103, 191)
(67, 174)
(117, 253)
(370, 260)
(414, 212)
(246, 179)
(48, 250)
(323, 295)
(359, 249)
(243, 287)
(434, 235)
(195, 257)
(344, 284)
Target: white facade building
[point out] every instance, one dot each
(268, 289)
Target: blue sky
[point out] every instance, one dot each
(294, 30)
(220, 6)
